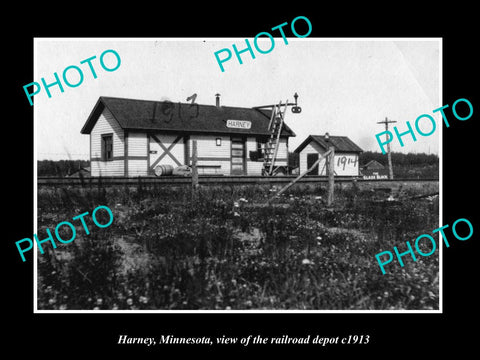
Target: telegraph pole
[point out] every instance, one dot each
(390, 169)
(330, 173)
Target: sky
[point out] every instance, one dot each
(345, 86)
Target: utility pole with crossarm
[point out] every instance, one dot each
(390, 169)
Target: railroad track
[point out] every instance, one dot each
(213, 180)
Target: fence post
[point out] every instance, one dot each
(331, 174)
(194, 166)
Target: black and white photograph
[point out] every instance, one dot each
(213, 179)
(253, 186)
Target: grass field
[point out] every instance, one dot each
(226, 249)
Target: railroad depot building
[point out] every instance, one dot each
(130, 137)
(346, 162)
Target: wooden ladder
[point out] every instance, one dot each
(271, 147)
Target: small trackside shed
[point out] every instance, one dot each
(346, 155)
(374, 170)
(130, 137)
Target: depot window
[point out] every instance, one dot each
(107, 147)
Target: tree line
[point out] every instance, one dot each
(63, 168)
(60, 168)
(399, 159)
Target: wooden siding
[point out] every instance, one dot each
(137, 154)
(106, 124)
(210, 155)
(137, 144)
(345, 164)
(282, 154)
(137, 167)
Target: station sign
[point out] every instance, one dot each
(239, 124)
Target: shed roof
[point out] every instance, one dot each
(373, 164)
(340, 143)
(133, 114)
(84, 171)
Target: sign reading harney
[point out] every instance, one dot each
(239, 124)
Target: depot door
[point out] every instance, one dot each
(311, 158)
(238, 156)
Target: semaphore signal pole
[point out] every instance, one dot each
(390, 169)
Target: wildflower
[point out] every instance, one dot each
(129, 301)
(319, 238)
(99, 301)
(63, 307)
(96, 308)
(143, 299)
(115, 307)
(248, 303)
(235, 204)
(390, 198)
(236, 214)
(228, 308)
(51, 301)
(307, 262)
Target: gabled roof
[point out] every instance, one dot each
(85, 171)
(373, 164)
(148, 115)
(340, 143)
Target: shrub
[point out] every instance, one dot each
(215, 251)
